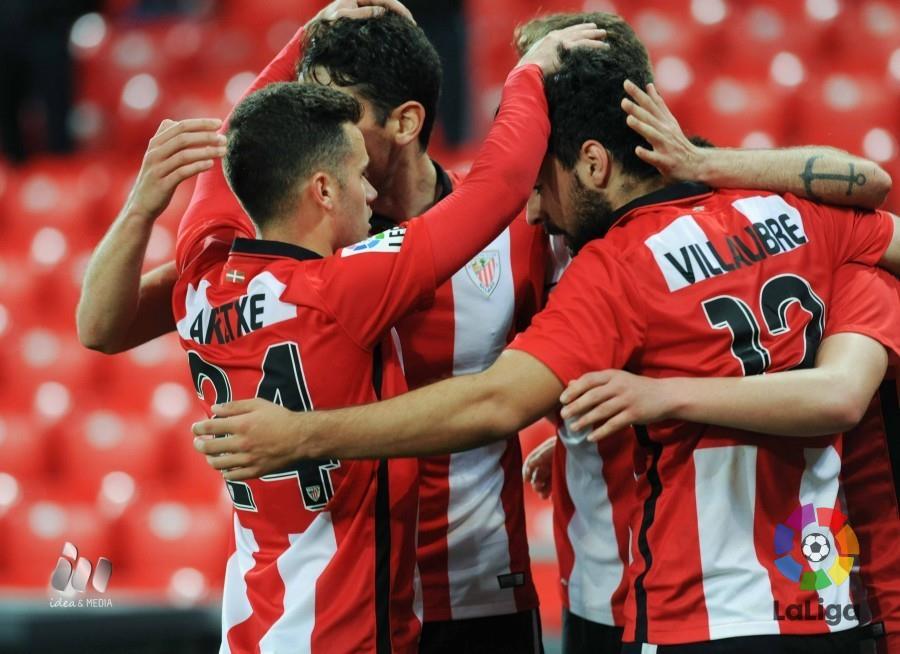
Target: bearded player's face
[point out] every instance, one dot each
(563, 204)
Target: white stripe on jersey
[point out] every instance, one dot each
(482, 322)
(819, 486)
(235, 605)
(597, 568)
(300, 566)
(477, 541)
(725, 489)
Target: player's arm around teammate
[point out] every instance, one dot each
(113, 291)
(819, 173)
(832, 397)
(119, 308)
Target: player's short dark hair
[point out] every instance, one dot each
(280, 135)
(585, 98)
(387, 60)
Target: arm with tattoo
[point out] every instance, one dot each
(818, 173)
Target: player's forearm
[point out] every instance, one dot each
(822, 174)
(804, 405)
(501, 179)
(456, 414)
(827, 399)
(110, 292)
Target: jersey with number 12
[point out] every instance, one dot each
(691, 282)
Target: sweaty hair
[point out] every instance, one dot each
(387, 60)
(585, 95)
(280, 135)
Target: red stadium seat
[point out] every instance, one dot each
(667, 32)
(842, 108)
(731, 112)
(161, 538)
(35, 532)
(24, 445)
(876, 23)
(760, 32)
(100, 442)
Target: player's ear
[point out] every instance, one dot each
(406, 121)
(322, 189)
(594, 164)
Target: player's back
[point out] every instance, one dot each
(725, 284)
(323, 557)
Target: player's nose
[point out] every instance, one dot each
(533, 213)
(371, 193)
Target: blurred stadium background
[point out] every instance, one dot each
(96, 450)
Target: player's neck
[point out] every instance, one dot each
(411, 189)
(288, 231)
(624, 188)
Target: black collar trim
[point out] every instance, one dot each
(671, 193)
(382, 223)
(272, 248)
(444, 181)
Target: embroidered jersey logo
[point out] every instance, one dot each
(686, 255)
(314, 492)
(484, 271)
(389, 241)
(816, 547)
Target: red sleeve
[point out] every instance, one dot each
(854, 235)
(866, 301)
(369, 286)
(591, 321)
(539, 260)
(497, 187)
(214, 216)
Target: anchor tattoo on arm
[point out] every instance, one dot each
(808, 177)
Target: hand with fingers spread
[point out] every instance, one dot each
(546, 52)
(672, 152)
(538, 467)
(177, 151)
(358, 9)
(257, 437)
(611, 400)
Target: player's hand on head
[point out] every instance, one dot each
(609, 401)
(546, 52)
(538, 467)
(358, 9)
(672, 152)
(179, 150)
(249, 438)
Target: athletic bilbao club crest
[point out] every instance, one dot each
(484, 271)
(314, 492)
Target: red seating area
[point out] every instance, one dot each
(96, 450)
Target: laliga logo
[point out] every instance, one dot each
(827, 543)
(77, 571)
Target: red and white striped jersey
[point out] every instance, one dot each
(473, 552)
(593, 499)
(324, 555)
(691, 282)
(279, 322)
(871, 462)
